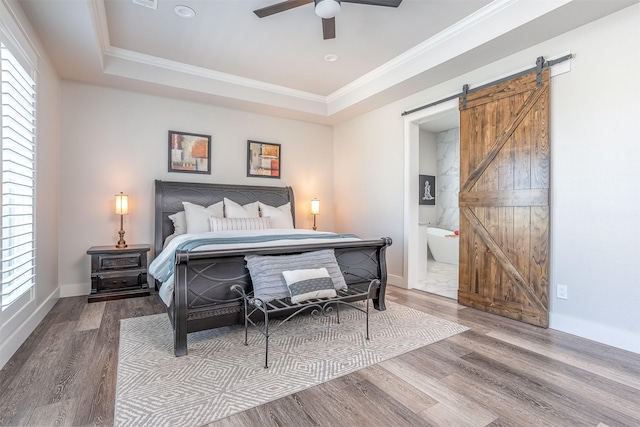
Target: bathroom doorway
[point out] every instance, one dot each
(432, 148)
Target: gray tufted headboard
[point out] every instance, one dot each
(170, 195)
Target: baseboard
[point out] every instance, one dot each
(20, 335)
(615, 337)
(398, 281)
(75, 290)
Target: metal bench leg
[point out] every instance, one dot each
(246, 322)
(367, 301)
(266, 336)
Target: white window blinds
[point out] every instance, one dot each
(17, 120)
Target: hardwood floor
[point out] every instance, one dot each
(499, 373)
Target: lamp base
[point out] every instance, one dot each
(121, 243)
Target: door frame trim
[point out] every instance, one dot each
(411, 168)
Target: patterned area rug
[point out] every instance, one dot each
(220, 376)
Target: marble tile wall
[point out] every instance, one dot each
(448, 179)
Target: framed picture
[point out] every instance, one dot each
(189, 152)
(263, 159)
(427, 190)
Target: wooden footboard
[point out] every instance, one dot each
(203, 298)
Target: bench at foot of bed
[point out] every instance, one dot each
(286, 310)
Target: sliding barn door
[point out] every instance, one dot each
(504, 199)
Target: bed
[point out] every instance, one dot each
(201, 297)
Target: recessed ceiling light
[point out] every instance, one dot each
(184, 11)
(331, 57)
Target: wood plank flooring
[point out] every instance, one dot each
(499, 373)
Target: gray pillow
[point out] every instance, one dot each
(266, 271)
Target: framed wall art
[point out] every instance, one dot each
(427, 190)
(263, 159)
(189, 152)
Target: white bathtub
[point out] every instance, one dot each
(444, 249)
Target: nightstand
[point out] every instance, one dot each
(118, 273)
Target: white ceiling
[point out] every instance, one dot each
(228, 56)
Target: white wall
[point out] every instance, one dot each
(595, 155)
(16, 330)
(368, 180)
(115, 140)
(595, 178)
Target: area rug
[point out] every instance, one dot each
(220, 376)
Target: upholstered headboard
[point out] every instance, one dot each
(170, 195)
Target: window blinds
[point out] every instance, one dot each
(17, 120)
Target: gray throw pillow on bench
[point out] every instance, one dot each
(266, 271)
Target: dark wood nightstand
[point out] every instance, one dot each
(118, 273)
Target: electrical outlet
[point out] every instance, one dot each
(561, 291)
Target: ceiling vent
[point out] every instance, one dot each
(151, 4)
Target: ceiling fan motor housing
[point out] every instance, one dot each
(327, 8)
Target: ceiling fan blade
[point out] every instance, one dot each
(329, 28)
(388, 3)
(280, 7)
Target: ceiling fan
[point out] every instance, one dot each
(326, 9)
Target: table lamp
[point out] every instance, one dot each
(122, 209)
(315, 210)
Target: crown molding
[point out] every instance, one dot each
(492, 21)
(425, 47)
(175, 69)
(180, 67)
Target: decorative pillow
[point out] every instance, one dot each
(225, 224)
(179, 222)
(309, 284)
(198, 216)
(234, 210)
(280, 217)
(266, 271)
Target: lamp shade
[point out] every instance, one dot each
(122, 204)
(315, 207)
(327, 8)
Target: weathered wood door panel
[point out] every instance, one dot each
(504, 199)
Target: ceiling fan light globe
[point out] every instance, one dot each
(327, 8)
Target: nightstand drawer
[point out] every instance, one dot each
(119, 262)
(119, 281)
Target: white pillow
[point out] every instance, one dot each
(198, 216)
(234, 210)
(179, 222)
(309, 284)
(279, 217)
(225, 224)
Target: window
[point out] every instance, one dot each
(17, 134)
